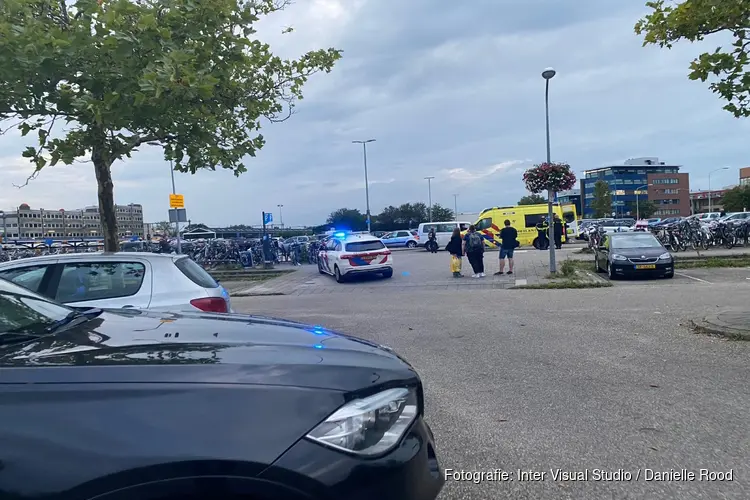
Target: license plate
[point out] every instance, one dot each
(368, 259)
(646, 266)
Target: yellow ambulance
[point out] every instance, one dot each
(524, 218)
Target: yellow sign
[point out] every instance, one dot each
(176, 201)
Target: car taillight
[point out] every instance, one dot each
(346, 256)
(387, 252)
(210, 304)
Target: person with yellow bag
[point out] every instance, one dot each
(455, 248)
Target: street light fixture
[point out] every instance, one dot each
(637, 203)
(710, 206)
(429, 194)
(455, 207)
(367, 184)
(548, 74)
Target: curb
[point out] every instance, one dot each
(714, 326)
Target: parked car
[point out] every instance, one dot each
(145, 405)
(402, 238)
(632, 254)
(443, 231)
(735, 217)
(129, 280)
(300, 240)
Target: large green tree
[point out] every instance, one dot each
(532, 199)
(189, 76)
(736, 199)
(441, 213)
(602, 201)
(347, 218)
(694, 20)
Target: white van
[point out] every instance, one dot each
(443, 231)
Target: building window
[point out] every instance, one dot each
(666, 181)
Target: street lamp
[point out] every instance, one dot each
(5, 228)
(709, 186)
(429, 194)
(455, 207)
(367, 184)
(176, 219)
(548, 74)
(281, 216)
(637, 203)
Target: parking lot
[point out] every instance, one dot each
(417, 269)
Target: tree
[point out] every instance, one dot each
(737, 199)
(188, 76)
(644, 208)
(602, 201)
(532, 199)
(693, 20)
(441, 213)
(347, 218)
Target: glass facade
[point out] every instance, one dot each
(624, 182)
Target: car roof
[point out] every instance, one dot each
(84, 256)
(359, 237)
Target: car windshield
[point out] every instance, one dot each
(364, 246)
(23, 312)
(635, 241)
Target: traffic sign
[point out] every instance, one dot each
(267, 218)
(176, 201)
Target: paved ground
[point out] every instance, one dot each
(417, 269)
(603, 378)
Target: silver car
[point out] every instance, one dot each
(120, 280)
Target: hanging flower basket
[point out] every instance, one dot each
(553, 177)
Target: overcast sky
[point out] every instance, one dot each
(453, 92)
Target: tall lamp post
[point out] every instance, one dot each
(548, 74)
(5, 227)
(455, 206)
(429, 194)
(281, 216)
(367, 184)
(637, 203)
(710, 206)
(176, 223)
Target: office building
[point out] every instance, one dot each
(745, 176)
(639, 179)
(26, 223)
(571, 196)
(700, 202)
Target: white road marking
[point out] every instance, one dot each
(521, 282)
(693, 278)
(521, 251)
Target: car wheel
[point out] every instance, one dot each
(610, 272)
(411, 244)
(337, 274)
(388, 273)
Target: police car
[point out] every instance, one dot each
(348, 254)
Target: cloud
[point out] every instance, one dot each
(453, 92)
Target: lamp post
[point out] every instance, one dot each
(455, 206)
(176, 222)
(281, 216)
(548, 74)
(637, 203)
(710, 206)
(5, 227)
(429, 194)
(367, 184)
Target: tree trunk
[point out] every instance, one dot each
(107, 214)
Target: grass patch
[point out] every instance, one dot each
(565, 284)
(711, 262)
(568, 268)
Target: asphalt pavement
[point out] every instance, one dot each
(607, 379)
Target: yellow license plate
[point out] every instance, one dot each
(646, 266)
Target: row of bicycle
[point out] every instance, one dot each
(689, 233)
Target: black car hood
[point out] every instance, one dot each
(218, 348)
(637, 253)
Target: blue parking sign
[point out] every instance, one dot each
(268, 218)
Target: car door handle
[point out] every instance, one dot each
(128, 307)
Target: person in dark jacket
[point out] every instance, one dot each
(432, 244)
(542, 238)
(455, 248)
(558, 231)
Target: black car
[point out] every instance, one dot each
(132, 404)
(633, 254)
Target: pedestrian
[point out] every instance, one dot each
(542, 239)
(508, 244)
(474, 250)
(557, 231)
(455, 249)
(432, 241)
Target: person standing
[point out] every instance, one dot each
(474, 250)
(432, 241)
(455, 248)
(508, 244)
(542, 239)
(558, 231)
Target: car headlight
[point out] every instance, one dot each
(665, 256)
(369, 426)
(619, 257)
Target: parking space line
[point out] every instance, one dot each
(693, 278)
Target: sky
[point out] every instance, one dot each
(453, 92)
